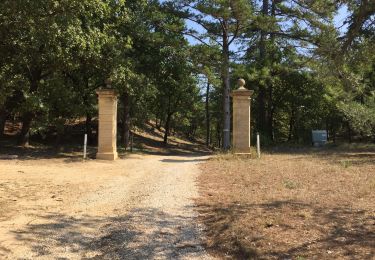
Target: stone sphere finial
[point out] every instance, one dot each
(108, 83)
(241, 83)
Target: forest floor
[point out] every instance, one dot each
(310, 203)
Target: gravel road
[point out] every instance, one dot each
(141, 207)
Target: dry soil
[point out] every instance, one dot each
(293, 204)
(141, 207)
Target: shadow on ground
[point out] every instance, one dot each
(142, 234)
(345, 155)
(184, 160)
(68, 153)
(155, 147)
(253, 231)
(74, 153)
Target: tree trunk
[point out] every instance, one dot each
(262, 118)
(125, 137)
(226, 94)
(28, 117)
(271, 105)
(270, 113)
(3, 117)
(291, 126)
(88, 126)
(218, 134)
(262, 122)
(167, 128)
(207, 115)
(157, 123)
(349, 133)
(24, 136)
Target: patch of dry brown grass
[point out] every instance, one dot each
(305, 204)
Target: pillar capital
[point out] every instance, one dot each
(242, 93)
(106, 92)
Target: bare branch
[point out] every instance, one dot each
(235, 33)
(197, 38)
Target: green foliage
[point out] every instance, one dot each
(361, 117)
(306, 74)
(289, 184)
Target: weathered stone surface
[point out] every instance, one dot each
(107, 147)
(241, 119)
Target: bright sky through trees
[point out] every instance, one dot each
(339, 21)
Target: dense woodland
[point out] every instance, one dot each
(175, 62)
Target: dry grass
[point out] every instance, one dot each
(301, 204)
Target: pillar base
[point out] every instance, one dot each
(107, 156)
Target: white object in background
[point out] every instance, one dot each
(319, 137)
(84, 146)
(258, 145)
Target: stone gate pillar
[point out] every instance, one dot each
(241, 119)
(107, 148)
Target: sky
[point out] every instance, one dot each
(340, 18)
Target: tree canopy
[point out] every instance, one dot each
(176, 62)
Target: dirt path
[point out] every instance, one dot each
(137, 208)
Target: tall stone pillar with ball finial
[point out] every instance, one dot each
(241, 118)
(107, 147)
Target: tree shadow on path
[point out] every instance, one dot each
(144, 233)
(195, 160)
